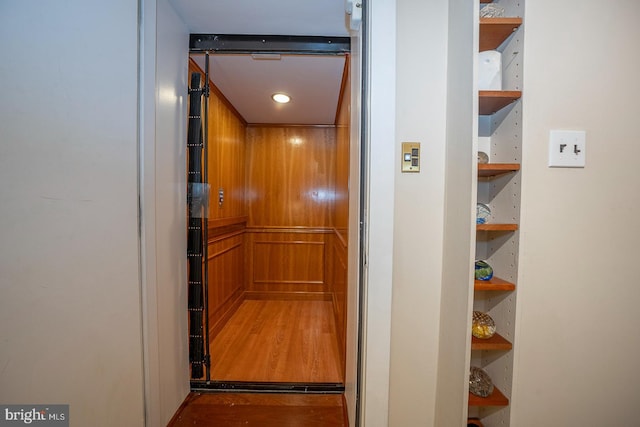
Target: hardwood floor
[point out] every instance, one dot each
(278, 341)
(261, 410)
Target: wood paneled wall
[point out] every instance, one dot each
(287, 263)
(290, 205)
(343, 137)
(225, 260)
(290, 179)
(226, 142)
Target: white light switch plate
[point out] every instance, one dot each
(567, 148)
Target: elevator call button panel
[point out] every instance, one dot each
(410, 157)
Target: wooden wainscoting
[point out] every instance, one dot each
(286, 262)
(226, 270)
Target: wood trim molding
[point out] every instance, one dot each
(303, 230)
(224, 251)
(288, 296)
(340, 238)
(214, 238)
(343, 87)
(288, 282)
(288, 125)
(287, 242)
(221, 229)
(215, 89)
(225, 222)
(236, 300)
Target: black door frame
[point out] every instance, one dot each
(300, 45)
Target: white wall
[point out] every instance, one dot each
(70, 317)
(577, 344)
(459, 224)
(166, 50)
(171, 134)
(379, 213)
(420, 115)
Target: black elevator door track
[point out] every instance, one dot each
(266, 387)
(243, 43)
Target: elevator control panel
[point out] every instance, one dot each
(410, 157)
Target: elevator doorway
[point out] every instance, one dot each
(278, 223)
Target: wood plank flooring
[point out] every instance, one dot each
(261, 410)
(278, 341)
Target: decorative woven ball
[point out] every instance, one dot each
(480, 383)
(483, 326)
(483, 270)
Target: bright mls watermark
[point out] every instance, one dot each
(36, 415)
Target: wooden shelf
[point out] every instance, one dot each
(495, 284)
(494, 31)
(492, 101)
(490, 170)
(496, 227)
(496, 342)
(495, 399)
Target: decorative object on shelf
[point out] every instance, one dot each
(483, 158)
(483, 213)
(474, 422)
(480, 383)
(489, 70)
(483, 270)
(482, 326)
(492, 11)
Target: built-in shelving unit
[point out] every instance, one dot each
(496, 342)
(498, 186)
(495, 284)
(494, 31)
(496, 227)
(497, 398)
(492, 101)
(491, 170)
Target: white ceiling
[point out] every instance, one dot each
(312, 81)
(278, 17)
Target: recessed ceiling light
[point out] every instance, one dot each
(281, 98)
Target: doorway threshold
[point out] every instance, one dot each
(267, 387)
